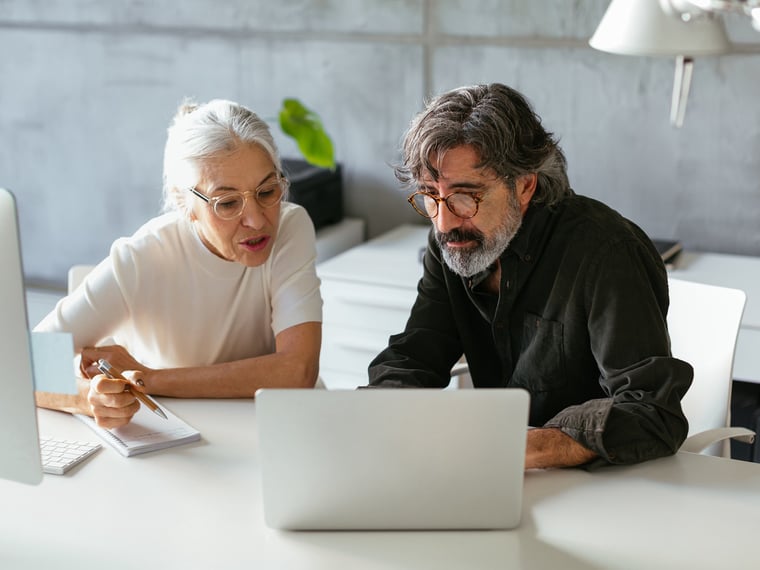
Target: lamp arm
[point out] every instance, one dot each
(681, 85)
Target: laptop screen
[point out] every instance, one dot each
(19, 440)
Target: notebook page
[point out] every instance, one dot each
(146, 432)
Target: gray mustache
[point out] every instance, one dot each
(458, 235)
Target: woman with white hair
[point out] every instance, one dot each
(217, 297)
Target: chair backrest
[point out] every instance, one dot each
(77, 273)
(703, 321)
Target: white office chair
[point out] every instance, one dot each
(77, 273)
(703, 321)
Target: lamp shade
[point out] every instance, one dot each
(642, 27)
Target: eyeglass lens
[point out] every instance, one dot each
(231, 204)
(460, 204)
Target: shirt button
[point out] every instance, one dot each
(527, 257)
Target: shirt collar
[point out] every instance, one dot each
(522, 245)
(535, 227)
(529, 240)
(478, 278)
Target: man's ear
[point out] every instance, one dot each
(526, 187)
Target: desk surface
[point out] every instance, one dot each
(199, 506)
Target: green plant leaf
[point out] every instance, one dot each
(305, 127)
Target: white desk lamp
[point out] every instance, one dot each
(658, 27)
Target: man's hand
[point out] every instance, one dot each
(549, 447)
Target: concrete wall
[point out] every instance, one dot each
(88, 88)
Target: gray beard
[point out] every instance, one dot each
(476, 259)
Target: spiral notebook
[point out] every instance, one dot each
(146, 432)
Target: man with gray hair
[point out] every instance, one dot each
(538, 287)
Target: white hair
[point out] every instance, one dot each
(201, 131)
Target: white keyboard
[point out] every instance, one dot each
(58, 456)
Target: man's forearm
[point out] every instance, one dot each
(550, 447)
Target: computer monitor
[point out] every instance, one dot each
(19, 439)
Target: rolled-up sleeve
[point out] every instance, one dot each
(641, 418)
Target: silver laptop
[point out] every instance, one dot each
(392, 459)
(19, 442)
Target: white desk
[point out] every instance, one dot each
(199, 506)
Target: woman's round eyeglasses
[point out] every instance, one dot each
(230, 205)
(462, 204)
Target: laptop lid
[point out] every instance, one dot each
(19, 441)
(392, 459)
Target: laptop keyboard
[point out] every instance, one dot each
(58, 456)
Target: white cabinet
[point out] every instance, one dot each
(368, 292)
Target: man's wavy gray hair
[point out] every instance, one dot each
(502, 127)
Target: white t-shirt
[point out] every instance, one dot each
(172, 303)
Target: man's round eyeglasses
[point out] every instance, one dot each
(230, 205)
(462, 204)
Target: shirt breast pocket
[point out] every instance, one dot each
(540, 366)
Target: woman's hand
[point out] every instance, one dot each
(115, 354)
(111, 403)
(109, 400)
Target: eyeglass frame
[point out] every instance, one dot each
(477, 197)
(281, 180)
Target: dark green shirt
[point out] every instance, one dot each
(579, 322)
